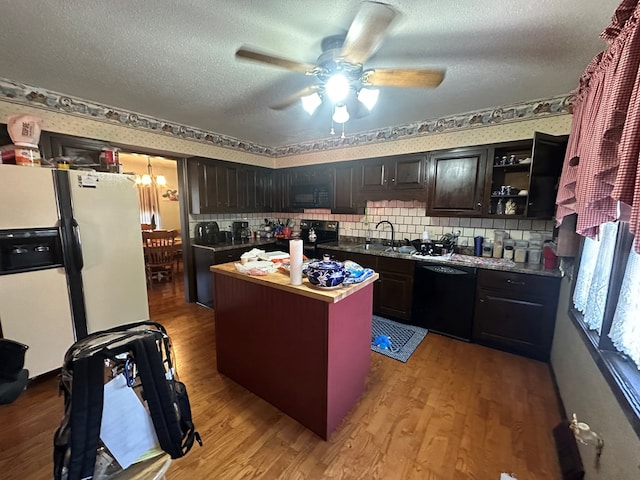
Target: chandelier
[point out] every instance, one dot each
(148, 179)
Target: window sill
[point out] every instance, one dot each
(622, 376)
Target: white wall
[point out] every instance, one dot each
(586, 393)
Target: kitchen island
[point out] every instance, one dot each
(304, 350)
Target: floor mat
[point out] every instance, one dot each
(403, 338)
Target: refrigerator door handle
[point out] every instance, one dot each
(77, 245)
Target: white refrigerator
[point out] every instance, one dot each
(71, 258)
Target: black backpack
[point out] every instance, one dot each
(142, 351)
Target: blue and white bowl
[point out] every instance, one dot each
(326, 273)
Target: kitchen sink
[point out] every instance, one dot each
(378, 247)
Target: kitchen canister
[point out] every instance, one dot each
(477, 246)
(498, 242)
(295, 262)
(534, 255)
(508, 252)
(520, 254)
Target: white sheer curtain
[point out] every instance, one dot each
(625, 328)
(148, 198)
(588, 262)
(597, 258)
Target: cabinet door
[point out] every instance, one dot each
(243, 190)
(516, 312)
(202, 185)
(373, 175)
(226, 187)
(264, 190)
(203, 259)
(345, 190)
(519, 325)
(456, 181)
(547, 158)
(394, 295)
(396, 288)
(282, 191)
(214, 186)
(408, 172)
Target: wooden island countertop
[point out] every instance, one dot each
(304, 350)
(280, 280)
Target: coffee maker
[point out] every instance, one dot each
(240, 230)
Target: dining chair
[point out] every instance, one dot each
(145, 226)
(159, 256)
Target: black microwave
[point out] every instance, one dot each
(311, 196)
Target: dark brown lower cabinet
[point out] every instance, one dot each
(516, 312)
(204, 257)
(392, 292)
(395, 288)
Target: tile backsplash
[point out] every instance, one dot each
(408, 218)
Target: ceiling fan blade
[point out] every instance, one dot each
(367, 31)
(249, 54)
(290, 100)
(406, 77)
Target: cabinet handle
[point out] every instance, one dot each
(513, 282)
(479, 204)
(393, 180)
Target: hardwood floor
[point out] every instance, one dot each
(454, 411)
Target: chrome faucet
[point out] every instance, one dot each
(393, 235)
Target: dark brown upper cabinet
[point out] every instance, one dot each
(456, 182)
(345, 189)
(282, 190)
(264, 190)
(310, 175)
(213, 186)
(255, 189)
(392, 178)
(524, 177)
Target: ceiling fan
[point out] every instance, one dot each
(339, 69)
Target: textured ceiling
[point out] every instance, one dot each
(175, 60)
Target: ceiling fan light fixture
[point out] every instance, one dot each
(341, 114)
(368, 97)
(311, 102)
(337, 87)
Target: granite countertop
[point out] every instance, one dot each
(219, 247)
(280, 280)
(457, 259)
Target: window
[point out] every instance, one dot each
(606, 303)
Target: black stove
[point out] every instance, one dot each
(326, 231)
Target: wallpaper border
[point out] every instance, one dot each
(40, 98)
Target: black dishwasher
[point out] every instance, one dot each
(444, 299)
